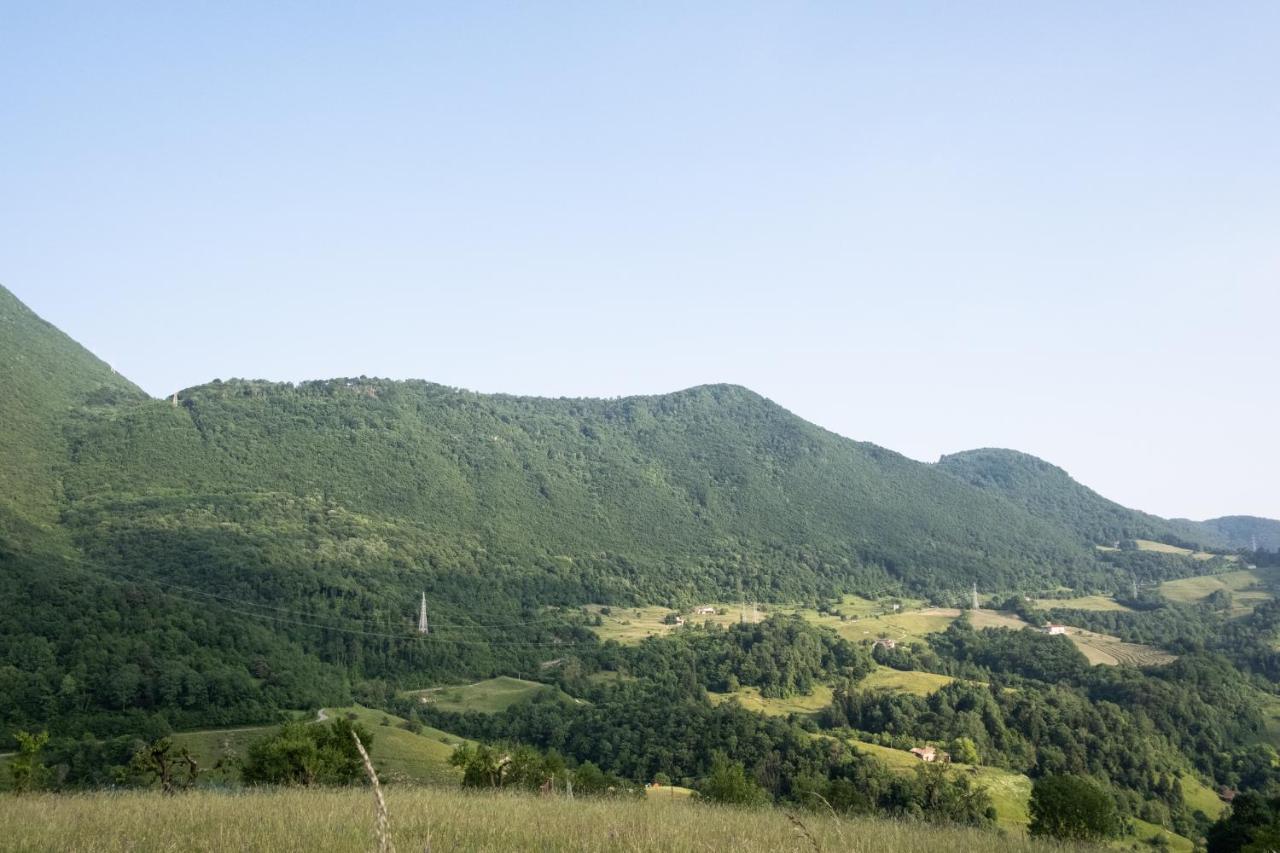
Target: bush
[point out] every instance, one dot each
(1072, 807)
(307, 754)
(728, 783)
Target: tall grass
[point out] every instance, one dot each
(449, 820)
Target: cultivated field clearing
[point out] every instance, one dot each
(1083, 602)
(1247, 588)
(898, 681)
(1105, 650)
(488, 697)
(1148, 545)
(914, 626)
(310, 821)
(865, 619)
(750, 698)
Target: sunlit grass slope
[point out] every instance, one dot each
(421, 818)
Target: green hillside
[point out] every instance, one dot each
(686, 491)
(1049, 493)
(1245, 531)
(44, 378)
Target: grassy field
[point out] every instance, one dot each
(211, 745)
(917, 683)
(865, 619)
(1084, 602)
(1010, 792)
(398, 754)
(751, 699)
(423, 818)
(1271, 717)
(1246, 588)
(488, 697)
(1162, 548)
(1200, 796)
(1146, 833)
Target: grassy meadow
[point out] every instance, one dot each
(1162, 548)
(750, 698)
(398, 754)
(1010, 792)
(900, 681)
(1083, 602)
(437, 819)
(1247, 588)
(488, 697)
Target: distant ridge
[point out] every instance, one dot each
(1049, 492)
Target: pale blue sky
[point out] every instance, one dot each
(1054, 227)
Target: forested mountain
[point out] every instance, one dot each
(256, 545)
(1049, 493)
(1245, 531)
(44, 377)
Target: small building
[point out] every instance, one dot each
(679, 620)
(705, 610)
(887, 643)
(929, 755)
(1054, 629)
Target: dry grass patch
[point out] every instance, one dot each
(308, 821)
(1083, 602)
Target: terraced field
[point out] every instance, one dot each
(1105, 650)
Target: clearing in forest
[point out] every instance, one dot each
(1084, 602)
(397, 752)
(1246, 586)
(1160, 547)
(750, 698)
(900, 681)
(488, 697)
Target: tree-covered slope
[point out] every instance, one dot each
(1049, 493)
(1245, 531)
(44, 376)
(670, 484)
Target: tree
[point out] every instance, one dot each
(1072, 807)
(25, 768)
(728, 783)
(964, 750)
(155, 759)
(307, 754)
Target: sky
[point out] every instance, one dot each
(934, 226)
